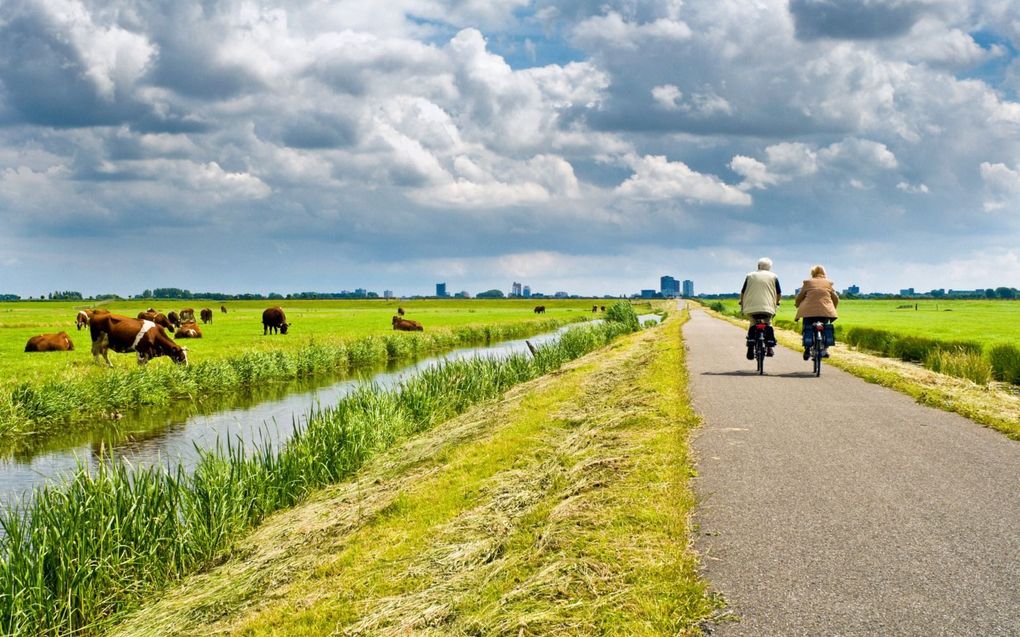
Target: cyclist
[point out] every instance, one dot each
(759, 299)
(816, 302)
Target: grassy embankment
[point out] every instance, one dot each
(327, 337)
(562, 508)
(988, 326)
(89, 550)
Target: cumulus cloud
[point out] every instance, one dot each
(657, 178)
(1002, 184)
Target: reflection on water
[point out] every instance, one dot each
(175, 435)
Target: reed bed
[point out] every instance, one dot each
(78, 554)
(31, 405)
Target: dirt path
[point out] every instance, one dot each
(835, 507)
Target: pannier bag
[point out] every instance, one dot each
(828, 335)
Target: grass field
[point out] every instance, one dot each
(986, 322)
(241, 328)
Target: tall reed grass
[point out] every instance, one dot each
(33, 403)
(960, 363)
(80, 553)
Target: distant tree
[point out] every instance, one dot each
(147, 294)
(1005, 293)
(990, 294)
(275, 296)
(10, 297)
(490, 294)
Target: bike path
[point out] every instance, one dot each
(830, 506)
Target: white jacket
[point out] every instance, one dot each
(760, 294)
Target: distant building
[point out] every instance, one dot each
(527, 292)
(360, 293)
(463, 294)
(688, 289)
(907, 292)
(648, 294)
(561, 295)
(669, 287)
(515, 290)
(387, 294)
(441, 290)
(853, 289)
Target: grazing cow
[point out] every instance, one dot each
(188, 330)
(274, 319)
(594, 309)
(206, 315)
(174, 319)
(58, 342)
(124, 334)
(539, 309)
(223, 309)
(187, 315)
(602, 308)
(83, 318)
(400, 311)
(156, 317)
(406, 325)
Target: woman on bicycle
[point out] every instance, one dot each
(816, 302)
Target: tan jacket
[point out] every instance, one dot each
(817, 298)
(760, 294)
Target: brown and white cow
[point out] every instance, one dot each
(124, 334)
(173, 318)
(59, 342)
(206, 315)
(82, 320)
(406, 325)
(187, 315)
(274, 319)
(188, 330)
(158, 318)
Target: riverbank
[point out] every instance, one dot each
(560, 509)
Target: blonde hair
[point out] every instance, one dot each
(817, 271)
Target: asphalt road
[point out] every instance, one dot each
(835, 507)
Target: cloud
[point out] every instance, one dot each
(1002, 185)
(859, 20)
(657, 178)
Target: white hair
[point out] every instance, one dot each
(764, 263)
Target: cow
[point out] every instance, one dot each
(82, 320)
(539, 309)
(206, 315)
(188, 330)
(274, 319)
(594, 309)
(59, 342)
(400, 311)
(406, 325)
(124, 334)
(158, 318)
(187, 315)
(173, 318)
(602, 308)
(223, 309)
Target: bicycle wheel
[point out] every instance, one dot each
(759, 354)
(816, 354)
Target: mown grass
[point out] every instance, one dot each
(961, 338)
(560, 510)
(83, 552)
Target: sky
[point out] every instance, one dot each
(582, 146)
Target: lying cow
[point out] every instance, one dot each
(124, 334)
(539, 309)
(206, 315)
(406, 325)
(158, 318)
(188, 330)
(274, 319)
(59, 342)
(82, 320)
(187, 315)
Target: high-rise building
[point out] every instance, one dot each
(441, 290)
(516, 290)
(387, 294)
(688, 289)
(648, 294)
(853, 289)
(669, 286)
(527, 291)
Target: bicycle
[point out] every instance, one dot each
(817, 346)
(760, 347)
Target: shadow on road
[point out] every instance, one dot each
(751, 372)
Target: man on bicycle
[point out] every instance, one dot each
(759, 299)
